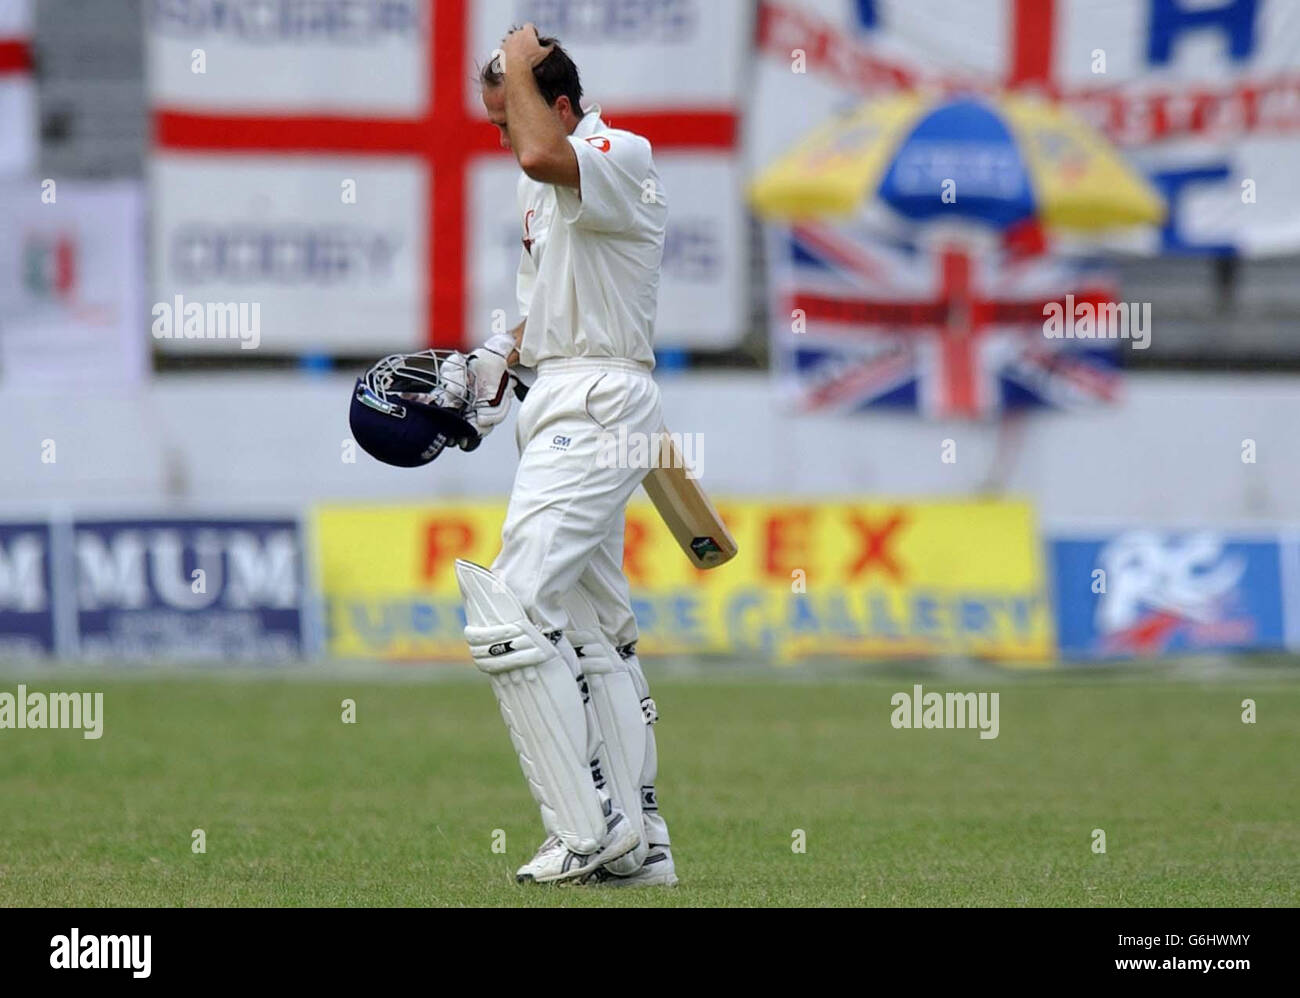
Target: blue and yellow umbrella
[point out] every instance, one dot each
(1003, 161)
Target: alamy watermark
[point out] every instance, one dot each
(651, 450)
(919, 709)
(231, 320)
(84, 711)
(1110, 320)
(102, 952)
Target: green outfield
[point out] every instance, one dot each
(404, 806)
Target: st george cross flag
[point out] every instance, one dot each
(333, 163)
(948, 332)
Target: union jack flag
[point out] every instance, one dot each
(949, 331)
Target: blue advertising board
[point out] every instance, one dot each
(188, 589)
(1146, 593)
(26, 592)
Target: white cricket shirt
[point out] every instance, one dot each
(588, 281)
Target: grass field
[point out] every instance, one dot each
(401, 807)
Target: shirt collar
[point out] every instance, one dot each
(590, 123)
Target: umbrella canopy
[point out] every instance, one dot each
(1001, 161)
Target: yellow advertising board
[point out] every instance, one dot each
(867, 579)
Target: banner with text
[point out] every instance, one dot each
(179, 590)
(877, 579)
(26, 592)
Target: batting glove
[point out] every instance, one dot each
(491, 382)
(453, 375)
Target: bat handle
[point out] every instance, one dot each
(521, 390)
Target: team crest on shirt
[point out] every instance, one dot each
(599, 142)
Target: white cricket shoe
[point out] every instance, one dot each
(540, 860)
(656, 871)
(556, 863)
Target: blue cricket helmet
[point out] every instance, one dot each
(394, 416)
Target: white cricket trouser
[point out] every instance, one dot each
(564, 524)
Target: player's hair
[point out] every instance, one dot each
(556, 76)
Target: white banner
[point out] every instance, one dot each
(325, 273)
(366, 56)
(71, 285)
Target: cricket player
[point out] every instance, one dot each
(552, 620)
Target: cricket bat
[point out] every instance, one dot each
(682, 505)
(687, 511)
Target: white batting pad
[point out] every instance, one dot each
(617, 710)
(540, 703)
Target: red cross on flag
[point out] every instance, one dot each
(17, 92)
(336, 166)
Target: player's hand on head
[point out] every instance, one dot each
(523, 44)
